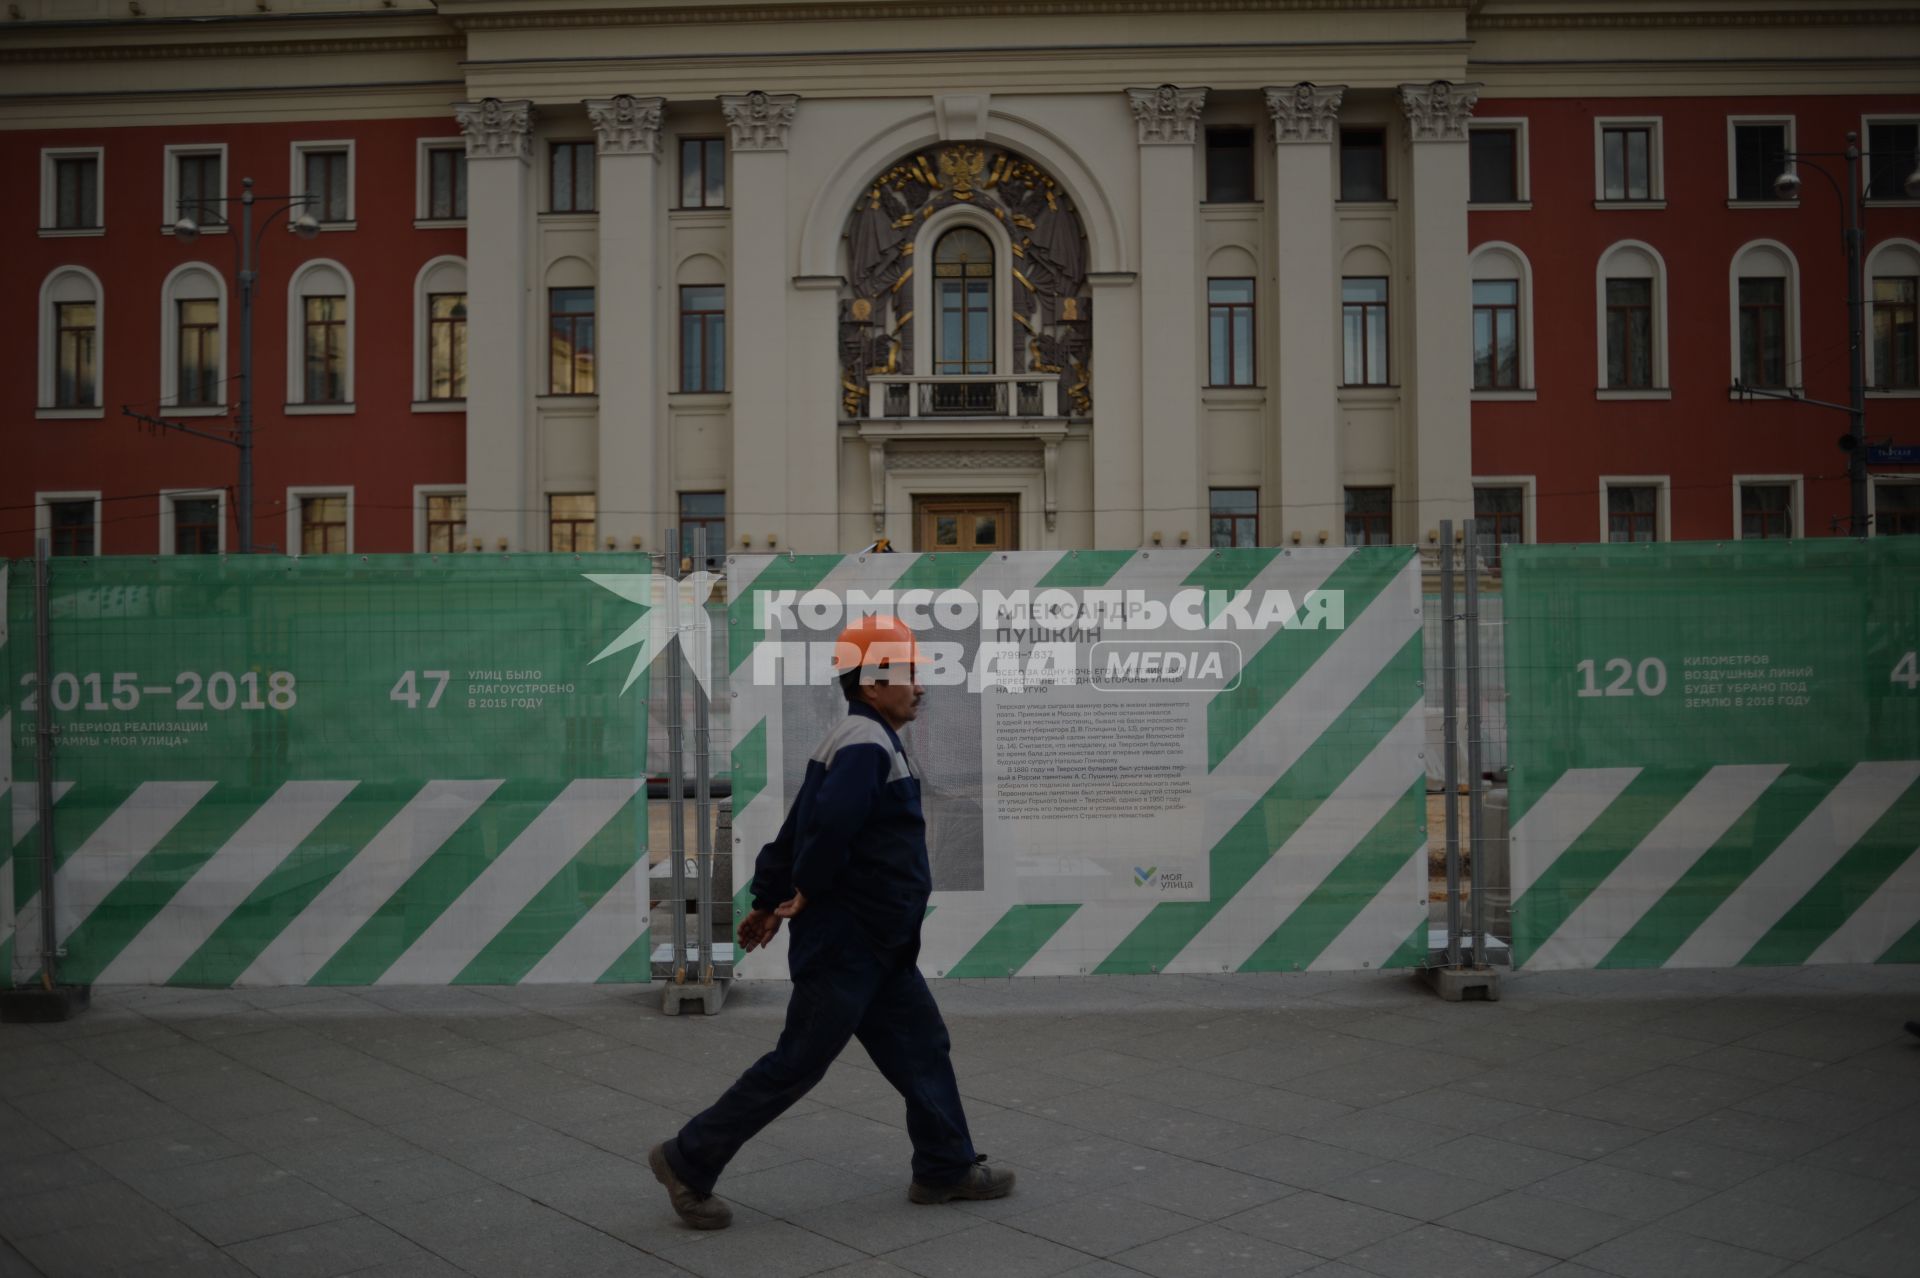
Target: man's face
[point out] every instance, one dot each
(895, 693)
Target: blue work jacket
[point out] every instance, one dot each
(854, 841)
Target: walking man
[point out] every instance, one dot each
(849, 868)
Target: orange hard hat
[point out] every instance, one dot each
(872, 642)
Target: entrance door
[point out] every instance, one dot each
(966, 523)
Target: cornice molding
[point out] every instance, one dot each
(163, 51)
(1167, 116)
(1808, 17)
(702, 15)
(626, 125)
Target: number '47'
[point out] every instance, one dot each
(407, 692)
(1907, 671)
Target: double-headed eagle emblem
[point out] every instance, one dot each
(960, 165)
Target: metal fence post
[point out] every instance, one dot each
(1451, 735)
(676, 806)
(703, 793)
(1476, 786)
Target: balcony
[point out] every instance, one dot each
(1011, 395)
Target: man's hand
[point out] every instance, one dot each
(757, 929)
(787, 909)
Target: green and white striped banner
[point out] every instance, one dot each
(1269, 821)
(1716, 753)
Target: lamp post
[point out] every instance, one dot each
(187, 230)
(1787, 186)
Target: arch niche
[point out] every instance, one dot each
(1048, 307)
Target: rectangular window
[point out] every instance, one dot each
(1493, 159)
(76, 193)
(1369, 516)
(446, 523)
(1499, 515)
(1230, 332)
(1896, 338)
(1766, 510)
(709, 511)
(1626, 160)
(1233, 517)
(323, 525)
(1363, 304)
(703, 173)
(325, 349)
(70, 527)
(1230, 165)
(447, 346)
(447, 183)
(1759, 156)
(570, 338)
(1896, 510)
(1363, 164)
(324, 183)
(1629, 334)
(570, 518)
(570, 177)
(197, 188)
(1763, 331)
(1893, 151)
(1496, 334)
(199, 352)
(1632, 512)
(75, 382)
(703, 337)
(196, 525)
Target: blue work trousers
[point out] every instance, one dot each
(854, 991)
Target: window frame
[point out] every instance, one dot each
(297, 403)
(716, 550)
(217, 390)
(1206, 162)
(681, 316)
(1734, 124)
(170, 185)
(1522, 170)
(1791, 355)
(1385, 307)
(726, 187)
(573, 318)
(1909, 249)
(1874, 484)
(48, 355)
(1340, 164)
(424, 291)
(169, 516)
(422, 532)
(1867, 121)
(1796, 506)
(1529, 532)
(424, 149)
(1661, 388)
(593, 537)
(578, 146)
(1662, 506)
(1346, 513)
(1656, 197)
(1232, 309)
(297, 497)
(50, 156)
(170, 343)
(1213, 491)
(43, 503)
(298, 185)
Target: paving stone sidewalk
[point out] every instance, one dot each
(1635, 1124)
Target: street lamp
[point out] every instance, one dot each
(187, 230)
(1787, 187)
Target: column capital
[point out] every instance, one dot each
(1438, 111)
(759, 121)
(1305, 112)
(626, 125)
(1167, 116)
(496, 129)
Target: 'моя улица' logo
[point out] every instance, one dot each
(1163, 880)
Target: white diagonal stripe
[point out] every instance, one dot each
(1558, 817)
(1647, 873)
(607, 930)
(1312, 852)
(110, 853)
(505, 887)
(368, 882)
(1882, 919)
(1394, 912)
(951, 932)
(1802, 859)
(1083, 942)
(26, 801)
(224, 882)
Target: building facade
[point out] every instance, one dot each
(969, 277)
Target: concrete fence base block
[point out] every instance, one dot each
(1458, 984)
(674, 997)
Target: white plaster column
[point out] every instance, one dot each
(757, 318)
(632, 452)
(1173, 447)
(1118, 364)
(499, 239)
(1436, 473)
(1306, 310)
(813, 416)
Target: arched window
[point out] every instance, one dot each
(70, 343)
(1630, 298)
(193, 345)
(1502, 319)
(440, 332)
(320, 338)
(963, 302)
(1764, 294)
(1893, 339)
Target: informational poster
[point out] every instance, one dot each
(1716, 751)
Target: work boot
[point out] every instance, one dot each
(702, 1211)
(980, 1182)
